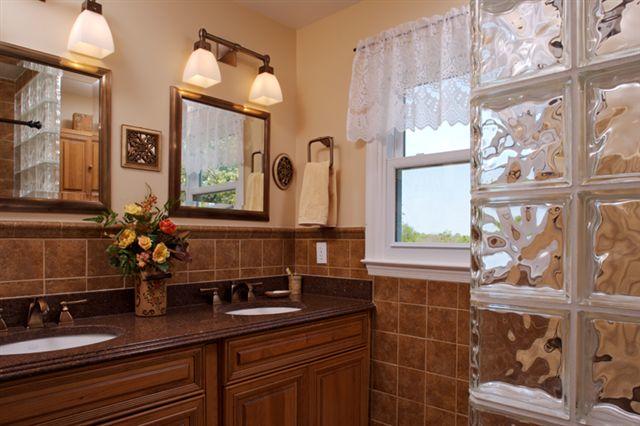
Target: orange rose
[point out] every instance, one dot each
(167, 226)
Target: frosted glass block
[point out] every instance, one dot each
(611, 368)
(519, 248)
(611, 28)
(518, 38)
(613, 113)
(518, 358)
(483, 417)
(613, 249)
(521, 138)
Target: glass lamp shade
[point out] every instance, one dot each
(202, 69)
(265, 90)
(91, 36)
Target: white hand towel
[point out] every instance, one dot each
(255, 192)
(318, 200)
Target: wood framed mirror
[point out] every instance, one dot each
(218, 158)
(55, 133)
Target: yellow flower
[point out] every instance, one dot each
(133, 209)
(127, 237)
(144, 242)
(160, 253)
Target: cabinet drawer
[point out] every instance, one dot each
(102, 391)
(265, 352)
(183, 413)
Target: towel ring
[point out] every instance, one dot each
(326, 141)
(253, 156)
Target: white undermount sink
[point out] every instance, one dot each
(268, 310)
(54, 343)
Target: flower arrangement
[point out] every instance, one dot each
(145, 245)
(147, 240)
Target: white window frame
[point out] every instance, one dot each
(384, 256)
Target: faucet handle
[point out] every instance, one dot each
(251, 297)
(3, 325)
(216, 296)
(65, 315)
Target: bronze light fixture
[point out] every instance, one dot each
(202, 68)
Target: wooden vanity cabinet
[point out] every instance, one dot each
(311, 374)
(316, 375)
(162, 388)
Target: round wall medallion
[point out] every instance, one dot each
(283, 171)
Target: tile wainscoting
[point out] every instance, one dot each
(419, 373)
(53, 257)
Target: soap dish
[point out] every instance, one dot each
(277, 293)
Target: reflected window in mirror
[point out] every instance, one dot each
(53, 144)
(223, 155)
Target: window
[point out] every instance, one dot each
(424, 227)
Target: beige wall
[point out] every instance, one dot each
(153, 41)
(324, 57)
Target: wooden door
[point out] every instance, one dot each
(275, 400)
(183, 413)
(73, 166)
(338, 391)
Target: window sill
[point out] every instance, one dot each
(436, 272)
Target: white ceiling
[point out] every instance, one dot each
(296, 14)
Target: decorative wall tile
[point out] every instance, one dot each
(611, 27)
(611, 366)
(613, 249)
(613, 112)
(518, 38)
(519, 248)
(521, 138)
(518, 358)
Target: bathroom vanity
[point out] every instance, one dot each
(199, 367)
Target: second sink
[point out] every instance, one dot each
(267, 310)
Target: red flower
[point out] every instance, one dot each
(167, 226)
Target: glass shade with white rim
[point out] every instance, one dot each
(265, 90)
(91, 36)
(202, 69)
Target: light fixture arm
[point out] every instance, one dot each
(205, 35)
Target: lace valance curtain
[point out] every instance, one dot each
(410, 77)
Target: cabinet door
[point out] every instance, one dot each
(338, 390)
(73, 165)
(183, 413)
(275, 400)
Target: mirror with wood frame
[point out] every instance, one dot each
(218, 159)
(54, 133)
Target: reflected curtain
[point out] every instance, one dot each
(211, 137)
(410, 77)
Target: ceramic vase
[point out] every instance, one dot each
(151, 295)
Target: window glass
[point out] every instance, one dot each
(429, 141)
(433, 204)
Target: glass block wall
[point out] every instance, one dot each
(555, 317)
(37, 151)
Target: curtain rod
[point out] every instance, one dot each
(439, 21)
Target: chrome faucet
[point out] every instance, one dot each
(38, 310)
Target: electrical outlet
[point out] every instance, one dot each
(321, 253)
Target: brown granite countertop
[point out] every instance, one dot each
(181, 326)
